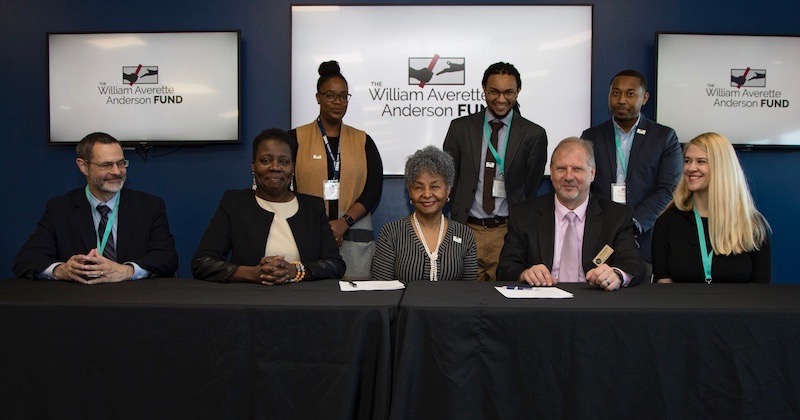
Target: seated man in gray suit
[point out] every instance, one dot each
(562, 236)
(100, 233)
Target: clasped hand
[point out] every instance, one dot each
(275, 270)
(92, 268)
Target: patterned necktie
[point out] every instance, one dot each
(110, 251)
(570, 254)
(489, 170)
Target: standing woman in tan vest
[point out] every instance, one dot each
(342, 165)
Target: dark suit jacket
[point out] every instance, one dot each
(531, 237)
(654, 167)
(526, 154)
(67, 229)
(240, 228)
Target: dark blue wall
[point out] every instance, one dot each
(191, 180)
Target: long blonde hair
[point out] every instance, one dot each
(735, 225)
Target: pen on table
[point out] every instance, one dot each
(519, 287)
(352, 283)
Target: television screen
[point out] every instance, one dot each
(382, 50)
(746, 87)
(145, 88)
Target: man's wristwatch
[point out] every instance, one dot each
(348, 219)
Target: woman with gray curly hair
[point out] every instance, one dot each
(426, 245)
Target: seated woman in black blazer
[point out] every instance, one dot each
(711, 231)
(273, 235)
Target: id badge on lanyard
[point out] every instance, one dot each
(330, 189)
(499, 187)
(618, 192)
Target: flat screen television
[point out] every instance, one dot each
(746, 87)
(382, 48)
(145, 88)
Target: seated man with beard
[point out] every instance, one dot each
(101, 233)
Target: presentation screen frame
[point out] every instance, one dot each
(550, 45)
(149, 88)
(739, 85)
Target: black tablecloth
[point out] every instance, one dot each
(652, 351)
(175, 348)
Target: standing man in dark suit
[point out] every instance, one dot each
(639, 161)
(562, 236)
(102, 233)
(499, 159)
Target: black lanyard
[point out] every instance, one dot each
(328, 147)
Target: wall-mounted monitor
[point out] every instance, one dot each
(381, 50)
(746, 87)
(145, 88)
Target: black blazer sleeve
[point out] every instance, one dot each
(56, 235)
(149, 242)
(536, 137)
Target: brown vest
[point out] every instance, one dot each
(311, 167)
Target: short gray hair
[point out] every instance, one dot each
(570, 142)
(432, 160)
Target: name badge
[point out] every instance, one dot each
(456, 239)
(641, 131)
(499, 188)
(316, 157)
(330, 189)
(618, 193)
(490, 165)
(603, 255)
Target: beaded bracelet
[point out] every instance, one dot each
(300, 271)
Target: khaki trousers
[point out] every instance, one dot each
(489, 242)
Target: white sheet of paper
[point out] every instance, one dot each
(534, 293)
(345, 286)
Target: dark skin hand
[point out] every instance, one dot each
(270, 271)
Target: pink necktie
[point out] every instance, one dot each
(570, 254)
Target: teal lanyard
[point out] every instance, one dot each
(488, 133)
(101, 244)
(623, 159)
(705, 255)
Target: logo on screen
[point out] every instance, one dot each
(436, 70)
(748, 77)
(143, 75)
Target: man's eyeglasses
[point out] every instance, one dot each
(509, 94)
(107, 166)
(331, 96)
